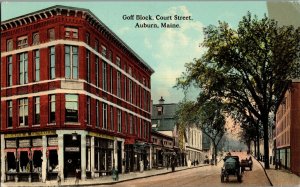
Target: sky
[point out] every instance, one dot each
(166, 50)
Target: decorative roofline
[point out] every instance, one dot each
(85, 13)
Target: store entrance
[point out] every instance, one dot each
(72, 155)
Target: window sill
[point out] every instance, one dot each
(36, 125)
(51, 124)
(72, 123)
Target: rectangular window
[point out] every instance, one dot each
(23, 112)
(71, 62)
(126, 122)
(111, 79)
(118, 84)
(96, 45)
(35, 38)
(104, 116)
(71, 33)
(51, 34)
(145, 99)
(36, 61)
(9, 114)
(87, 58)
(103, 51)
(88, 110)
(97, 114)
(51, 108)
(87, 38)
(109, 55)
(119, 121)
(71, 109)
(112, 118)
(52, 62)
(118, 62)
(130, 91)
(104, 74)
(23, 68)
(97, 71)
(36, 110)
(9, 71)
(22, 42)
(9, 45)
(125, 88)
(131, 124)
(140, 125)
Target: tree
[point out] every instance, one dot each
(249, 67)
(208, 116)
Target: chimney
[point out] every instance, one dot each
(161, 101)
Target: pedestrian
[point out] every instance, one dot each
(58, 179)
(77, 176)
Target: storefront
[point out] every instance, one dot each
(136, 156)
(104, 150)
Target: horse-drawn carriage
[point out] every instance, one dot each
(231, 167)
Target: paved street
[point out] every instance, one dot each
(204, 176)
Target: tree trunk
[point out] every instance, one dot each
(215, 153)
(266, 146)
(255, 150)
(257, 140)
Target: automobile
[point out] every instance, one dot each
(246, 163)
(231, 167)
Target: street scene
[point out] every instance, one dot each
(150, 94)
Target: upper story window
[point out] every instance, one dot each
(35, 38)
(103, 50)
(23, 68)
(88, 110)
(9, 45)
(23, 112)
(51, 34)
(71, 32)
(51, 108)
(129, 71)
(71, 62)
(119, 121)
(9, 71)
(36, 61)
(118, 84)
(111, 118)
(52, 62)
(71, 114)
(118, 62)
(97, 114)
(9, 114)
(97, 71)
(96, 45)
(87, 38)
(104, 116)
(104, 76)
(87, 65)
(22, 42)
(109, 55)
(36, 110)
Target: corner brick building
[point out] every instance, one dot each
(74, 96)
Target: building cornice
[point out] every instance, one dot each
(84, 13)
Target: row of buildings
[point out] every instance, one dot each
(74, 96)
(284, 141)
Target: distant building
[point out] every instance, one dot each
(74, 97)
(188, 143)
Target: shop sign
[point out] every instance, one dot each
(11, 143)
(26, 134)
(52, 141)
(37, 142)
(72, 149)
(101, 135)
(24, 143)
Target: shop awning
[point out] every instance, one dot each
(36, 149)
(24, 150)
(52, 148)
(10, 150)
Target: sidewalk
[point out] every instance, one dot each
(105, 180)
(281, 177)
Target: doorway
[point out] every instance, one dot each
(72, 155)
(119, 155)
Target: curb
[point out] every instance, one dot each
(125, 180)
(264, 171)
